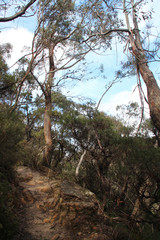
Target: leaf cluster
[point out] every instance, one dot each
(7, 83)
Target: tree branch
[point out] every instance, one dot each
(29, 69)
(126, 15)
(80, 162)
(18, 14)
(107, 33)
(41, 86)
(107, 89)
(115, 30)
(65, 67)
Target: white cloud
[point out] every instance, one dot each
(18, 38)
(120, 98)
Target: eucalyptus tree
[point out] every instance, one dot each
(140, 51)
(56, 47)
(62, 39)
(140, 54)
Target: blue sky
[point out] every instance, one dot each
(20, 33)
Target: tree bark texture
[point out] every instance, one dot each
(153, 91)
(47, 131)
(48, 109)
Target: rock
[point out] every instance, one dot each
(71, 189)
(28, 196)
(22, 200)
(48, 172)
(76, 204)
(47, 220)
(55, 237)
(31, 183)
(45, 189)
(39, 181)
(24, 173)
(39, 205)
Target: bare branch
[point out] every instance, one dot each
(108, 32)
(41, 86)
(107, 89)
(115, 30)
(29, 69)
(28, 54)
(80, 162)
(126, 15)
(66, 37)
(18, 14)
(65, 67)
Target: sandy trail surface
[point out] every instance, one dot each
(52, 209)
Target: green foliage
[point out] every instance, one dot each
(130, 116)
(145, 232)
(8, 223)
(57, 20)
(67, 171)
(11, 134)
(134, 174)
(7, 81)
(31, 154)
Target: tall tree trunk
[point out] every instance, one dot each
(153, 91)
(47, 131)
(48, 108)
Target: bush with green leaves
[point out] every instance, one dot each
(8, 221)
(11, 135)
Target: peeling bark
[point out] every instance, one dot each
(153, 91)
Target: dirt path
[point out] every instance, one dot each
(38, 196)
(55, 210)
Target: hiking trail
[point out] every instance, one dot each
(52, 209)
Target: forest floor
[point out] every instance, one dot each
(52, 209)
